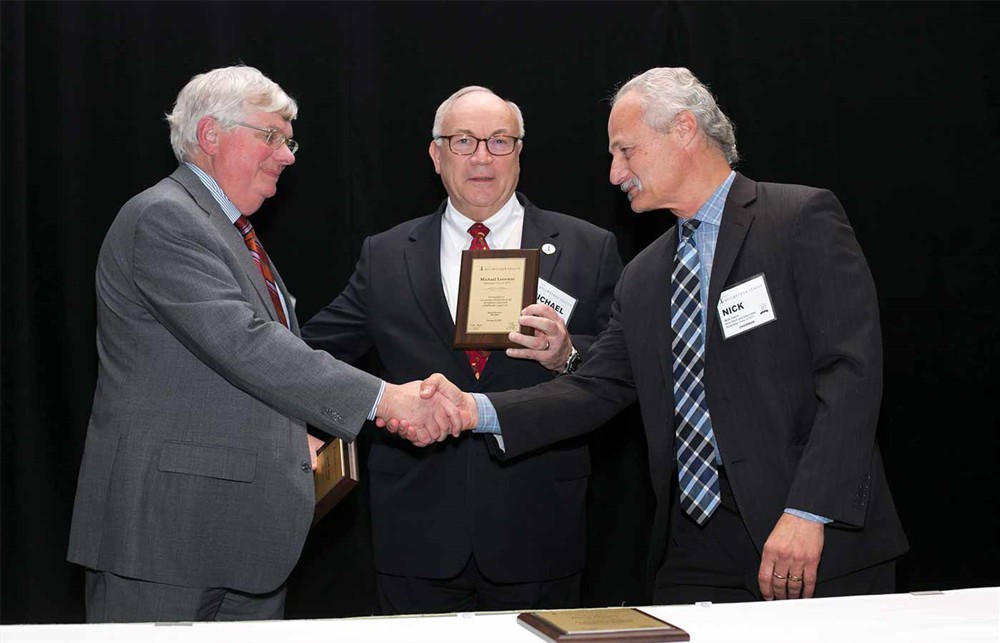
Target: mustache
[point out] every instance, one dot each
(634, 182)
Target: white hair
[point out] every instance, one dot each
(225, 94)
(445, 107)
(665, 92)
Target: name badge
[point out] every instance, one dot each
(555, 299)
(745, 306)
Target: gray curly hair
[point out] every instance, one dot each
(665, 92)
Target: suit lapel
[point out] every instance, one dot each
(662, 267)
(204, 199)
(736, 220)
(423, 266)
(537, 230)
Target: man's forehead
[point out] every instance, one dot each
(618, 136)
(479, 110)
(624, 124)
(267, 119)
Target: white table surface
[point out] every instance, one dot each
(953, 615)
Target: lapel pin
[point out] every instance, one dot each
(548, 248)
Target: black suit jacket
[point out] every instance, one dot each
(431, 508)
(794, 403)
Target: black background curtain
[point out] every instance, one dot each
(891, 105)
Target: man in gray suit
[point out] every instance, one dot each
(195, 492)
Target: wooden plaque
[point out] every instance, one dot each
(335, 475)
(601, 625)
(493, 287)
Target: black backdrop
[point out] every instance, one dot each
(891, 105)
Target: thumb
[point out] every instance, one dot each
(430, 386)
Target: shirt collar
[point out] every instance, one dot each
(220, 197)
(711, 210)
(501, 223)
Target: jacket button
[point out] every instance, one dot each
(306, 467)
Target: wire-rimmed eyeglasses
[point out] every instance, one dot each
(274, 139)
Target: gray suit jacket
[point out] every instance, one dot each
(196, 465)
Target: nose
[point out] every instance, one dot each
(284, 155)
(482, 155)
(619, 173)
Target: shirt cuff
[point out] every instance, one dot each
(808, 516)
(378, 398)
(488, 420)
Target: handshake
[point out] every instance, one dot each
(426, 412)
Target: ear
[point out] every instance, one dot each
(208, 135)
(686, 126)
(435, 151)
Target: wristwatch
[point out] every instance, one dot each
(573, 362)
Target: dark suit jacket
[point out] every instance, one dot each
(196, 465)
(794, 403)
(433, 507)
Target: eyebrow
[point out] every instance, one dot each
(620, 142)
(502, 130)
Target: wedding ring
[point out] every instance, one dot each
(779, 576)
(795, 579)
(546, 345)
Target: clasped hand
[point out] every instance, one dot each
(426, 412)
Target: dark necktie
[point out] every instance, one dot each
(477, 359)
(696, 472)
(260, 258)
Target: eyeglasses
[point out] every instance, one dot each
(467, 145)
(274, 139)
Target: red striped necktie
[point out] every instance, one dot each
(260, 258)
(477, 359)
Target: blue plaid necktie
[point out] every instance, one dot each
(696, 472)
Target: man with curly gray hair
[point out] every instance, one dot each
(196, 490)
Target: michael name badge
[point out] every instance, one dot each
(745, 306)
(556, 299)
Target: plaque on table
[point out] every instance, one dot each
(336, 473)
(493, 287)
(600, 625)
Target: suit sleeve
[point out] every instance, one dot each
(182, 275)
(608, 272)
(341, 327)
(839, 309)
(570, 405)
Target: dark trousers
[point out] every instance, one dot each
(115, 599)
(470, 591)
(718, 562)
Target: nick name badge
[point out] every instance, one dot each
(555, 299)
(745, 306)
